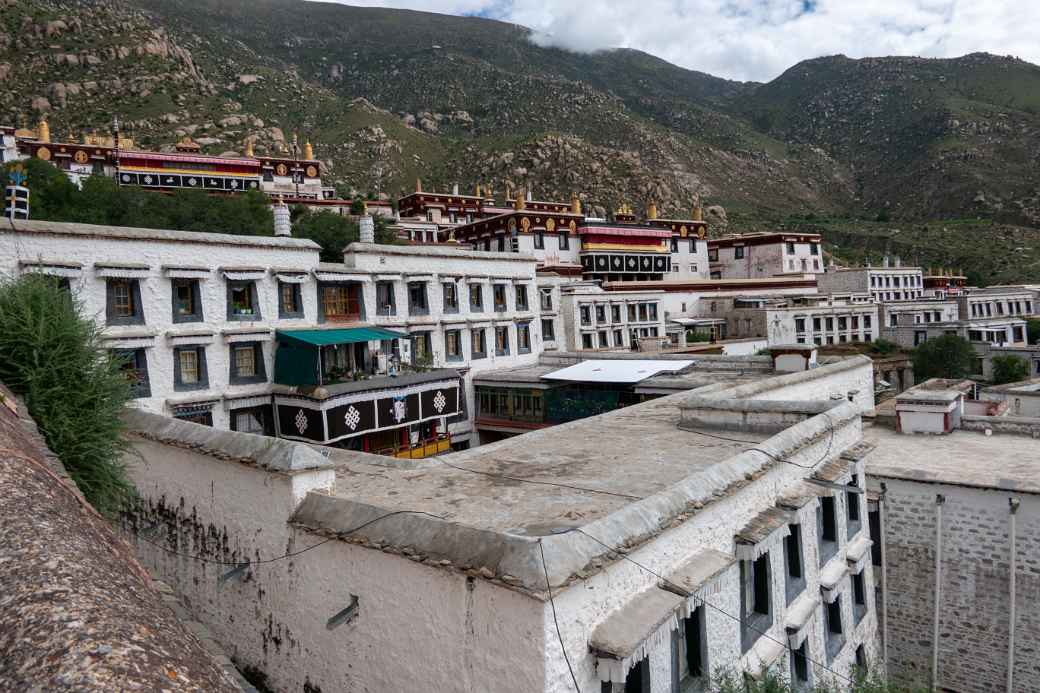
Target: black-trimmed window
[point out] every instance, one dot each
(478, 343)
(123, 302)
(134, 365)
(601, 313)
(565, 241)
(615, 313)
(190, 371)
(713, 254)
(476, 298)
(674, 245)
(257, 420)
(586, 314)
(502, 340)
(586, 340)
(187, 301)
(738, 252)
(801, 675)
(755, 600)
(834, 631)
(386, 300)
(859, 596)
(246, 363)
(242, 301)
(545, 297)
(548, 330)
(827, 528)
(637, 680)
(793, 563)
(521, 297)
(501, 243)
(523, 338)
(418, 304)
(290, 300)
(498, 292)
(340, 302)
(853, 510)
(690, 653)
(693, 246)
(421, 347)
(539, 241)
(453, 345)
(451, 297)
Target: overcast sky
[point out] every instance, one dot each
(759, 39)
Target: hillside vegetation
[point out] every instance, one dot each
(388, 96)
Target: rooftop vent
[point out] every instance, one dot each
(793, 358)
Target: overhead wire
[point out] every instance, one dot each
(552, 604)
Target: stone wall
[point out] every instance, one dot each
(975, 598)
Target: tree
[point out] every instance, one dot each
(1033, 331)
(1009, 369)
(74, 389)
(331, 231)
(949, 356)
(357, 206)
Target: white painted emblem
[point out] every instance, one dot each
(400, 409)
(301, 422)
(352, 418)
(439, 402)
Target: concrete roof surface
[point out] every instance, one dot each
(1000, 461)
(597, 453)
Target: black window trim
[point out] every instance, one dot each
(196, 314)
(297, 298)
(203, 381)
(110, 302)
(143, 387)
(253, 297)
(258, 360)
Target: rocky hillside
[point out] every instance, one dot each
(391, 95)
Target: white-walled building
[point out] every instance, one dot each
(202, 318)
(760, 255)
(498, 572)
(886, 284)
(594, 319)
(996, 302)
(918, 312)
(820, 320)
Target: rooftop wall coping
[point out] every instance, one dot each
(358, 248)
(273, 454)
(129, 233)
(740, 392)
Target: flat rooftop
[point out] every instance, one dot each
(964, 458)
(595, 453)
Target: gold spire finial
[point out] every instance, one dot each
(308, 151)
(477, 193)
(698, 212)
(519, 203)
(249, 147)
(651, 211)
(575, 204)
(43, 132)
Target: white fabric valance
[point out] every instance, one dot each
(187, 272)
(244, 275)
(238, 337)
(190, 338)
(118, 272)
(246, 402)
(292, 277)
(53, 270)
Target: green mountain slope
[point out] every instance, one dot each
(391, 95)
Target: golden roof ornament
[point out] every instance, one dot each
(519, 203)
(698, 212)
(43, 132)
(308, 151)
(249, 147)
(575, 204)
(651, 212)
(477, 193)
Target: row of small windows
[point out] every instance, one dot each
(636, 312)
(889, 281)
(896, 295)
(453, 342)
(606, 339)
(690, 665)
(337, 301)
(985, 309)
(843, 322)
(190, 367)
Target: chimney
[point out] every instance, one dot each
(368, 229)
(455, 189)
(282, 223)
(530, 195)
(884, 262)
(899, 261)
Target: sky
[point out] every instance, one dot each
(759, 39)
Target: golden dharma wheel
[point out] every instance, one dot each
(43, 153)
(281, 170)
(312, 172)
(81, 157)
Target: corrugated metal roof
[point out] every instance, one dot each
(616, 371)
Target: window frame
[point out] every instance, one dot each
(254, 299)
(504, 330)
(520, 291)
(477, 290)
(259, 366)
(136, 315)
(474, 334)
(196, 301)
(523, 331)
(853, 509)
(141, 387)
(387, 308)
(201, 369)
(834, 636)
(348, 288)
(418, 307)
(448, 355)
(794, 570)
(297, 298)
(548, 335)
(756, 617)
(503, 306)
(827, 529)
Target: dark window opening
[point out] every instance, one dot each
(793, 560)
(134, 365)
(123, 302)
(242, 303)
(417, 304)
(755, 599)
(290, 301)
(638, 678)
(689, 654)
(835, 633)
(386, 301)
(827, 524)
(874, 517)
(852, 509)
(859, 596)
(187, 304)
(800, 664)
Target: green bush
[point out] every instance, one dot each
(695, 336)
(949, 356)
(863, 681)
(1033, 331)
(334, 232)
(73, 389)
(883, 347)
(1009, 369)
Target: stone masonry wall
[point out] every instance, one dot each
(975, 602)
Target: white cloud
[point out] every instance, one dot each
(759, 39)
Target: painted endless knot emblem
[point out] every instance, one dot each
(352, 418)
(301, 422)
(439, 402)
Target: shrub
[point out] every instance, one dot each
(949, 356)
(883, 347)
(73, 389)
(695, 336)
(1009, 369)
(1033, 331)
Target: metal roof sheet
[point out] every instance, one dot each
(616, 371)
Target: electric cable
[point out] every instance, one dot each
(826, 453)
(552, 604)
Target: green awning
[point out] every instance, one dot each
(347, 335)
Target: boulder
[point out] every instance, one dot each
(248, 79)
(40, 104)
(56, 28)
(715, 215)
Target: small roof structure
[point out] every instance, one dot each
(616, 371)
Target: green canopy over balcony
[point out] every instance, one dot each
(298, 358)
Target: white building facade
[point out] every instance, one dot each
(760, 255)
(886, 284)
